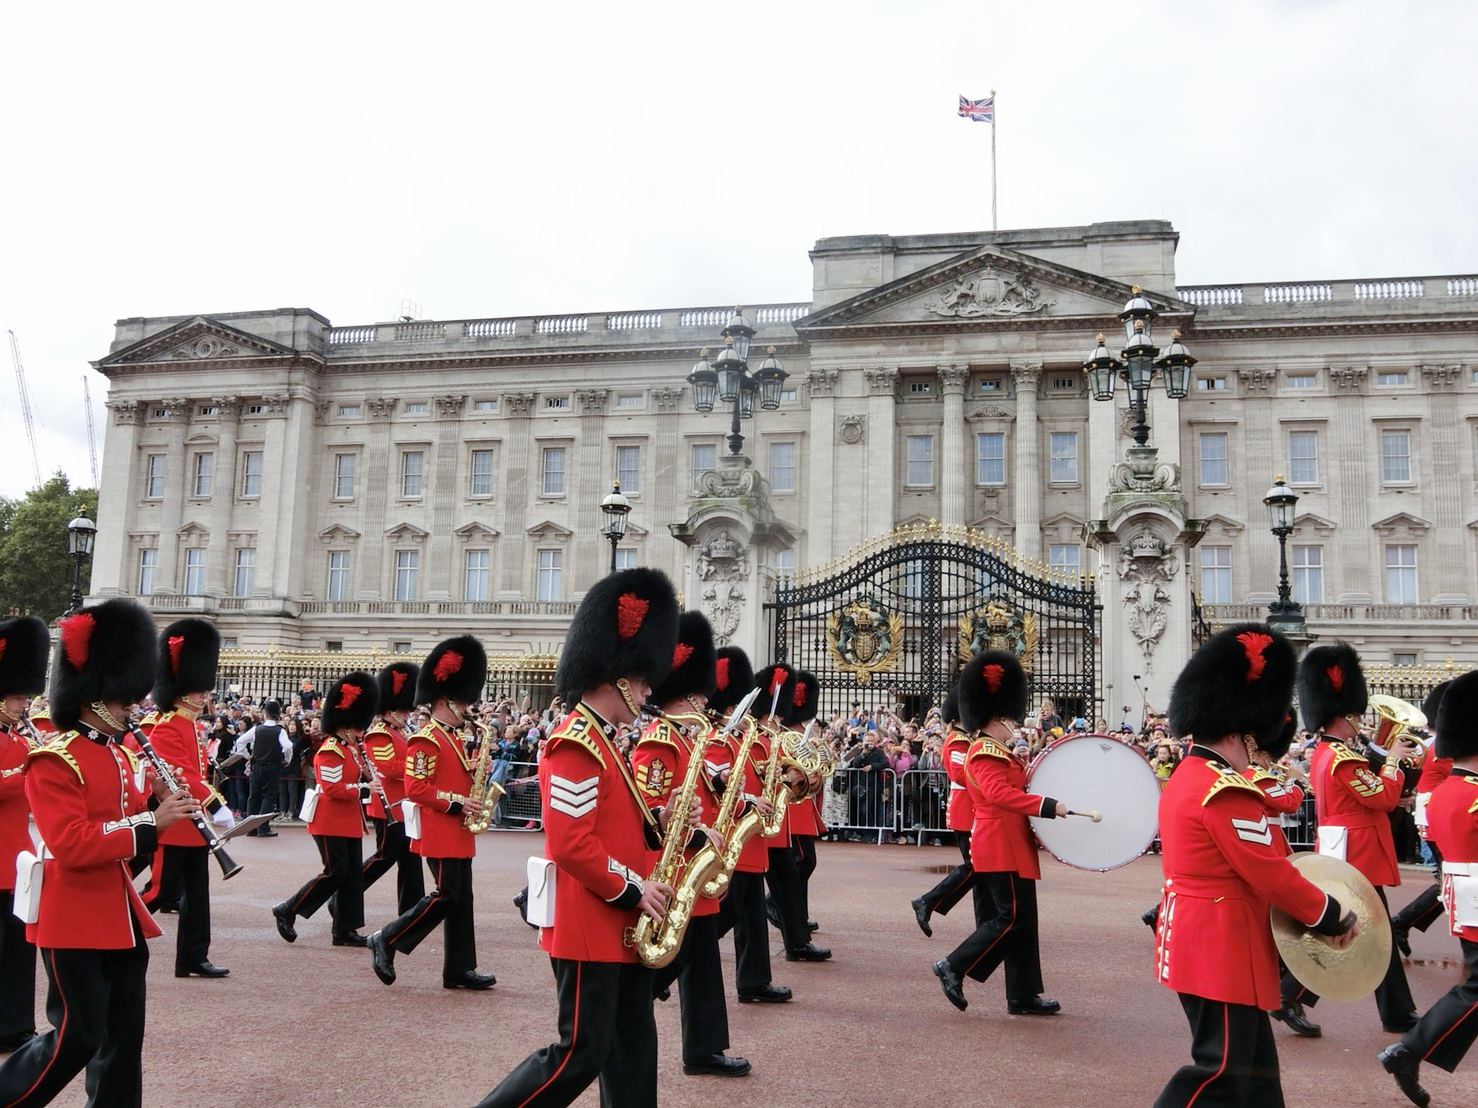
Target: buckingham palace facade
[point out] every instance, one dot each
(375, 486)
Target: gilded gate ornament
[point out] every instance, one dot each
(999, 627)
(864, 638)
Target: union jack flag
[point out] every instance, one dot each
(980, 111)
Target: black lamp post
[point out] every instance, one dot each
(1285, 613)
(1137, 364)
(729, 380)
(80, 533)
(616, 508)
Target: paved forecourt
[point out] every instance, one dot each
(310, 1024)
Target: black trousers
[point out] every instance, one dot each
(1393, 995)
(700, 987)
(342, 878)
(1234, 1058)
(1424, 910)
(805, 865)
(784, 881)
(606, 1032)
(392, 848)
(743, 911)
(1008, 935)
(1293, 991)
(957, 882)
(17, 973)
(263, 794)
(450, 902)
(1445, 1033)
(181, 875)
(96, 1006)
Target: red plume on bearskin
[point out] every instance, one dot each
(994, 675)
(76, 635)
(1457, 718)
(735, 678)
(777, 678)
(188, 656)
(350, 703)
(694, 662)
(631, 613)
(1331, 684)
(992, 686)
(448, 664)
(397, 680)
(176, 644)
(456, 669)
(397, 686)
(348, 694)
(721, 674)
(680, 655)
(805, 697)
(1240, 682)
(109, 654)
(24, 647)
(626, 626)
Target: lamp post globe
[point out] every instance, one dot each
(1285, 613)
(80, 535)
(616, 508)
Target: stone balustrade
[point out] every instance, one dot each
(1358, 292)
(1349, 613)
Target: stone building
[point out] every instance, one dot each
(373, 486)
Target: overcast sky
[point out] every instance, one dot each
(497, 159)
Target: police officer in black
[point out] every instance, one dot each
(266, 765)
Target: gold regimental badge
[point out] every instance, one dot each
(997, 626)
(864, 638)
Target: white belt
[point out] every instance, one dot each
(1459, 869)
(956, 788)
(1279, 821)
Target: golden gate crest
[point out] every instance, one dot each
(864, 638)
(999, 627)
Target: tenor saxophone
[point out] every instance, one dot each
(485, 790)
(736, 834)
(657, 941)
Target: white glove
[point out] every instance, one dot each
(223, 818)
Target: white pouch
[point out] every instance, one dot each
(1460, 881)
(29, 869)
(540, 873)
(310, 805)
(410, 815)
(1334, 841)
(1419, 813)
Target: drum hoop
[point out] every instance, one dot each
(1062, 740)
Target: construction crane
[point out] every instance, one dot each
(92, 439)
(20, 382)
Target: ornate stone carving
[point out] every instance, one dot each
(880, 381)
(380, 407)
(1026, 374)
(276, 404)
(731, 481)
(953, 379)
(723, 604)
(666, 398)
(449, 407)
(852, 428)
(321, 409)
(125, 412)
(991, 411)
(1256, 379)
(176, 408)
(1441, 376)
(202, 348)
(1348, 378)
(228, 407)
(1147, 564)
(723, 558)
(822, 382)
(519, 403)
(990, 292)
(592, 401)
(1144, 472)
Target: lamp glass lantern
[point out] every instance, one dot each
(739, 330)
(616, 508)
(1138, 315)
(1103, 371)
(80, 534)
(705, 383)
(730, 369)
(1176, 363)
(771, 377)
(1281, 501)
(746, 398)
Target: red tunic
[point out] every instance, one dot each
(780, 839)
(1001, 839)
(1279, 799)
(386, 746)
(805, 819)
(1347, 793)
(175, 740)
(660, 764)
(755, 857)
(1452, 818)
(90, 800)
(1223, 868)
(1434, 771)
(15, 813)
(596, 833)
(436, 772)
(340, 810)
(959, 814)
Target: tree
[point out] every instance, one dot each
(35, 569)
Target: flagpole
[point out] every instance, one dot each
(993, 159)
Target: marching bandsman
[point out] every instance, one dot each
(602, 839)
(993, 695)
(1448, 1029)
(1426, 907)
(959, 817)
(804, 816)
(24, 646)
(660, 762)
(189, 651)
(438, 781)
(1352, 803)
(1223, 869)
(337, 822)
(385, 746)
(89, 796)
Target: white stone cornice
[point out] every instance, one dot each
(338, 532)
(1401, 525)
(407, 532)
(476, 531)
(822, 382)
(548, 529)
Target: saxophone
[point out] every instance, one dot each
(485, 790)
(751, 822)
(657, 942)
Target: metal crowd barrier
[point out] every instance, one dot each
(923, 799)
(861, 803)
(521, 808)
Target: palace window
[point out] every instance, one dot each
(344, 467)
(338, 575)
(704, 457)
(785, 563)
(148, 564)
(1308, 574)
(920, 473)
(400, 646)
(628, 400)
(256, 409)
(1399, 658)
(208, 410)
(1393, 377)
(1063, 468)
(1213, 458)
(552, 467)
(407, 568)
(251, 473)
(1216, 574)
(246, 572)
(349, 411)
(1065, 558)
(417, 407)
(154, 477)
(1211, 384)
(625, 557)
(551, 564)
(484, 405)
(195, 571)
(994, 384)
(920, 388)
(205, 465)
(1395, 457)
(557, 403)
(782, 467)
(990, 458)
(628, 468)
(475, 575)
(1303, 457)
(1401, 574)
(787, 396)
(412, 472)
(482, 473)
(1302, 381)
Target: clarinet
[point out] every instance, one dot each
(369, 772)
(217, 846)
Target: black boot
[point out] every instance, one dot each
(1403, 1065)
(285, 919)
(382, 957)
(950, 981)
(1292, 1013)
(1033, 1006)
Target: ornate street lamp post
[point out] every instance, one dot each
(728, 379)
(616, 508)
(1137, 364)
(1285, 613)
(80, 533)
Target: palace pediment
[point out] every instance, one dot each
(194, 340)
(989, 288)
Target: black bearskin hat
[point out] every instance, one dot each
(692, 661)
(1331, 684)
(1432, 705)
(107, 654)
(778, 677)
(992, 686)
(456, 669)
(1457, 718)
(1239, 682)
(1279, 739)
(733, 677)
(800, 703)
(949, 711)
(189, 650)
(350, 702)
(397, 686)
(625, 627)
(24, 646)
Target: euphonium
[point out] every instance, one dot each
(485, 790)
(657, 941)
(1395, 720)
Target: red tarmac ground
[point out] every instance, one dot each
(308, 1024)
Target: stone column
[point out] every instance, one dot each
(222, 498)
(297, 500)
(882, 469)
(441, 575)
(377, 476)
(520, 473)
(1453, 584)
(283, 490)
(1344, 447)
(667, 466)
(821, 493)
(590, 479)
(118, 495)
(1026, 490)
(953, 462)
(171, 513)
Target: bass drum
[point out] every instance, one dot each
(1103, 774)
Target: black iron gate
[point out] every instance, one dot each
(892, 622)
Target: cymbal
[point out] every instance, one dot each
(1347, 974)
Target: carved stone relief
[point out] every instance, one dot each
(852, 429)
(990, 293)
(1147, 564)
(821, 382)
(666, 398)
